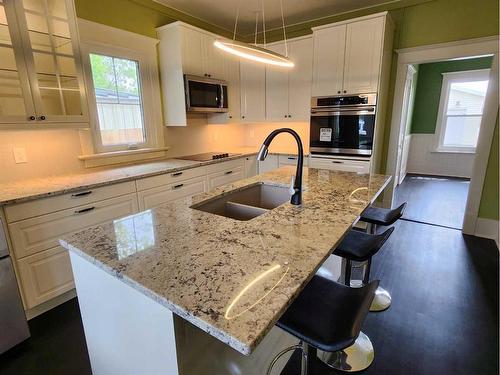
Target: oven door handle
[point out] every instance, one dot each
(366, 111)
(221, 96)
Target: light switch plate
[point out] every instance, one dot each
(19, 155)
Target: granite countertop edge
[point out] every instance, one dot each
(115, 180)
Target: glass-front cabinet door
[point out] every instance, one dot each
(50, 45)
(16, 104)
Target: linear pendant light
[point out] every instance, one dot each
(252, 51)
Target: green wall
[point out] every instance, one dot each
(489, 200)
(428, 92)
(138, 16)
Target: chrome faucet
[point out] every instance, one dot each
(297, 182)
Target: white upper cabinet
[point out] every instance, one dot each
(192, 51)
(253, 91)
(288, 90)
(277, 88)
(363, 55)
(185, 49)
(348, 57)
(328, 60)
(300, 77)
(41, 76)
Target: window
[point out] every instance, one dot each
(123, 92)
(119, 101)
(461, 110)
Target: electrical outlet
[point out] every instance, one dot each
(19, 155)
(252, 133)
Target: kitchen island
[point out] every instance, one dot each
(136, 276)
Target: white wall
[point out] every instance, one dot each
(423, 159)
(48, 152)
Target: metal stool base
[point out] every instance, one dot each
(357, 357)
(381, 301)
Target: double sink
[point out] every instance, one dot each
(246, 203)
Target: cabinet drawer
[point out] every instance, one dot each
(290, 160)
(40, 233)
(45, 275)
(42, 206)
(169, 178)
(225, 166)
(225, 177)
(345, 165)
(163, 194)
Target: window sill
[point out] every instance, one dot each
(124, 156)
(452, 151)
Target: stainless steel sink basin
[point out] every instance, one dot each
(247, 203)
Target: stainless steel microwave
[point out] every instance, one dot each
(205, 95)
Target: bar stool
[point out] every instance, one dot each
(328, 316)
(381, 216)
(359, 246)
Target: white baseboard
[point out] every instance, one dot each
(487, 228)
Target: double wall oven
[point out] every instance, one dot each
(343, 125)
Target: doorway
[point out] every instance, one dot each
(443, 118)
(442, 113)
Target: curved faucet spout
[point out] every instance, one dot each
(264, 149)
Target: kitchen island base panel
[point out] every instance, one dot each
(126, 332)
(129, 333)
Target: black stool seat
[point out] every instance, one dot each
(328, 315)
(360, 246)
(382, 216)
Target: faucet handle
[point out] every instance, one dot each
(291, 190)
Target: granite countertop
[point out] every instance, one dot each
(24, 190)
(233, 279)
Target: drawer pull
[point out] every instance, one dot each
(291, 158)
(176, 174)
(177, 186)
(228, 172)
(81, 194)
(338, 162)
(83, 210)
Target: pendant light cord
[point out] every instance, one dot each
(236, 19)
(283, 24)
(263, 24)
(256, 26)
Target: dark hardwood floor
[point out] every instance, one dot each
(443, 318)
(433, 199)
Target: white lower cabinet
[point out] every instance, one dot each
(268, 164)
(250, 166)
(340, 164)
(225, 177)
(162, 194)
(45, 275)
(30, 236)
(290, 160)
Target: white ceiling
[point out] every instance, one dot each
(222, 12)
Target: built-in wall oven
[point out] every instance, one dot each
(343, 125)
(205, 95)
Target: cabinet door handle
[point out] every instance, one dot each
(82, 194)
(228, 172)
(32, 118)
(176, 174)
(338, 162)
(42, 118)
(83, 210)
(345, 91)
(291, 158)
(177, 186)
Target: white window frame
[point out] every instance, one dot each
(108, 41)
(448, 79)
